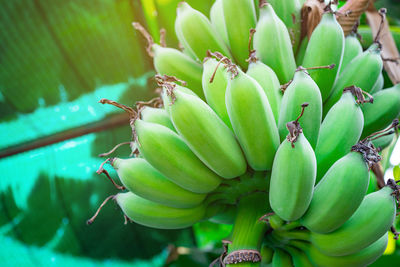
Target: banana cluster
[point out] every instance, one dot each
(255, 122)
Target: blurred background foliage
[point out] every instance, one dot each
(57, 60)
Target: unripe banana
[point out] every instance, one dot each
(299, 258)
(168, 153)
(151, 214)
(325, 47)
(291, 188)
(269, 82)
(225, 216)
(301, 51)
(383, 142)
(214, 89)
(196, 33)
(378, 84)
(139, 177)
(386, 108)
(352, 48)
(272, 44)
(252, 121)
(302, 89)
(371, 221)
(207, 136)
(337, 196)
(167, 100)
(362, 71)
(340, 130)
(157, 115)
(240, 17)
(266, 255)
(218, 21)
(362, 258)
(281, 258)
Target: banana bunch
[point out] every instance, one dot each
(242, 135)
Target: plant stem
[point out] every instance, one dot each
(248, 231)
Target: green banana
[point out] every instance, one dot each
(218, 21)
(168, 153)
(225, 216)
(301, 50)
(340, 130)
(215, 81)
(266, 254)
(207, 136)
(157, 115)
(291, 188)
(299, 258)
(151, 214)
(386, 108)
(172, 62)
(302, 89)
(352, 48)
(330, 208)
(325, 47)
(252, 120)
(370, 221)
(139, 177)
(362, 71)
(361, 258)
(272, 44)
(269, 82)
(281, 258)
(378, 84)
(289, 13)
(167, 100)
(196, 33)
(384, 141)
(240, 17)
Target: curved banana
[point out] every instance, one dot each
(196, 33)
(240, 17)
(252, 120)
(168, 153)
(139, 177)
(299, 258)
(218, 21)
(207, 136)
(383, 111)
(151, 214)
(325, 47)
(281, 258)
(337, 196)
(362, 71)
(215, 89)
(157, 115)
(378, 84)
(266, 254)
(291, 188)
(370, 221)
(340, 130)
(269, 82)
(352, 48)
(272, 44)
(302, 89)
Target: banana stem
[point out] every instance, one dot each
(248, 230)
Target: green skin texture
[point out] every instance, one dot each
(215, 91)
(139, 177)
(157, 115)
(352, 48)
(207, 136)
(168, 153)
(225, 216)
(196, 33)
(240, 17)
(383, 111)
(272, 44)
(252, 120)
(292, 187)
(325, 47)
(167, 100)
(340, 130)
(383, 142)
(369, 222)
(173, 62)
(218, 21)
(269, 82)
(299, 258)
(285, 10)
(301, 51)
(302, 89)
(361, 258)
(329, 209)
(154, 215)
(362, 71)
(266, 255)
(378, 84)
(281, 259)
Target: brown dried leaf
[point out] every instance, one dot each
(350, 13)
(311, 14)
